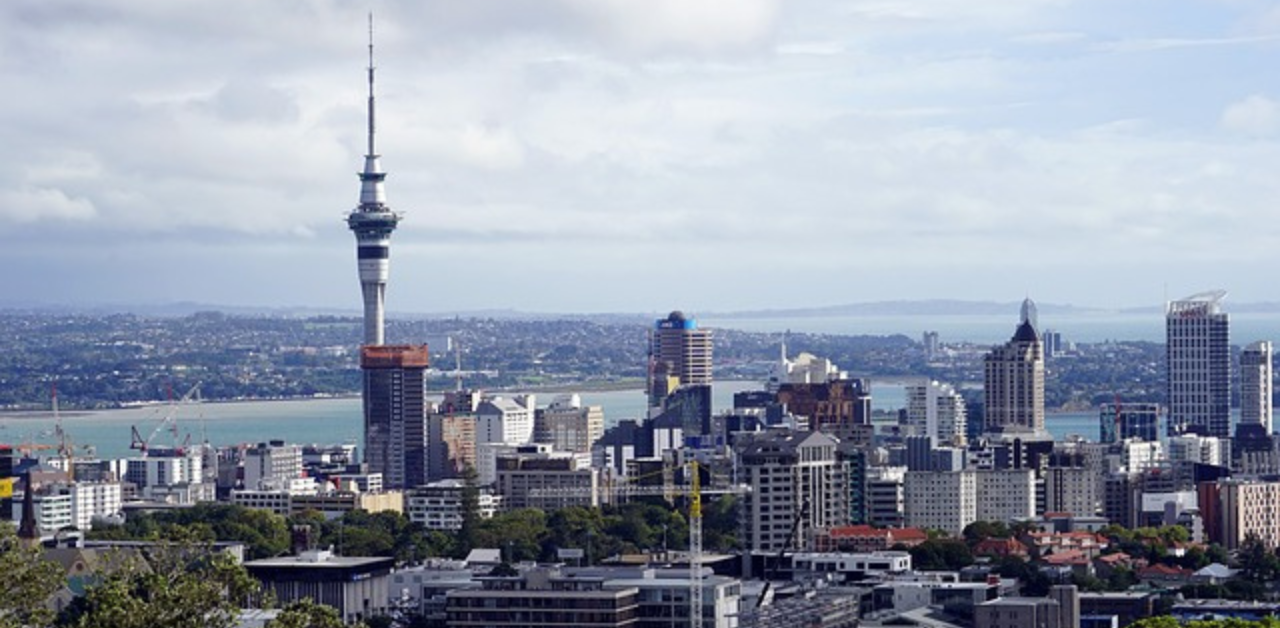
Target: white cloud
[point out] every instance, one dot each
(30, 205)
(1256, 115)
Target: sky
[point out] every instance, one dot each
(641, 156)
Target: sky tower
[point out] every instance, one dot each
(372, 222)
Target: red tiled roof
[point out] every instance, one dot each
(907, 534)
(1069, 557)
(1161, 569)
(1119, 557)
(857, 530)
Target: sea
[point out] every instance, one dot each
(338, 420)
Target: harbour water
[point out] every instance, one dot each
(330, 421)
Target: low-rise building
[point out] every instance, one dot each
(545, 598)
(358, 587)
(439, 505)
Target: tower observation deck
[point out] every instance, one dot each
(372, 221)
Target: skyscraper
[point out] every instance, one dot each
(395, 413)
(1255, 385)
(680, 355)
(1014, 380)
(936, 410)
(1198, 361)
(372, 222)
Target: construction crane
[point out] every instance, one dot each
(694, 492)
(168, 421)
(782, 553)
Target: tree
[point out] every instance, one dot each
(307, 614)
(27, 581)
(941, 555)
(1256, 561)
(179, 587)
(979, 531)
(470, 510)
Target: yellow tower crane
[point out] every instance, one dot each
(694, 492)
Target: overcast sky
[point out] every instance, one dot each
(642, 155)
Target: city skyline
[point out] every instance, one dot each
(161, 153)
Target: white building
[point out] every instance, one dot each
(176, 479)
(438, 505)
(1201, 449)
(936, 410)
(790, 473)
(943, 500)
(506, 419)
(1198, 365)
(1255, 384)
(271, 462)
(885, 496)
(1005, 495)
(805, 369)
(72, 504)
(1137, 455)
(852, 564)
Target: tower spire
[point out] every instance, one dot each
(371, 152)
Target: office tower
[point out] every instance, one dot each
(791, 474)
(567, 425)
(679, 355)
(1255, 385)
(395, 413)
(372, 222)
(1121, 421)
(1014, 381)
(936, 410)
(840, 407)
(885, 498)
(1198, 361)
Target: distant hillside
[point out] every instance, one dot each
(935, 307)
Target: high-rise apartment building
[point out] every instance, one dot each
(936, 410)
(680, 355)
(791, 473)
(395, 413)
(942, 500)
(1249, 509)
(1198, 361)
(1014, 381)
(1255, 385)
